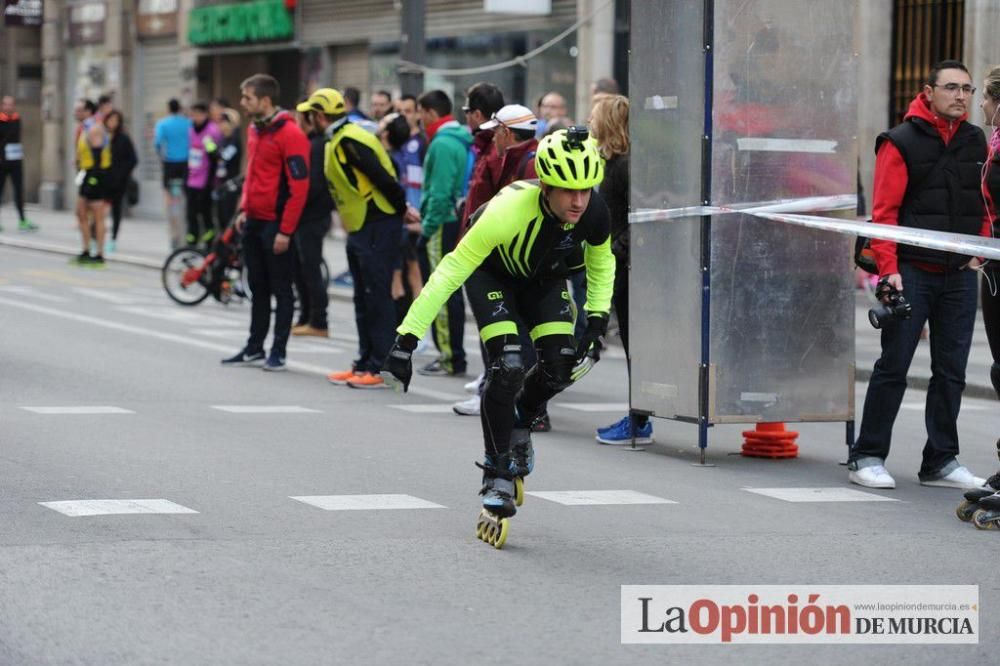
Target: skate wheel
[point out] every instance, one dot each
(500, 534)
(982, 520)
(965, 511)
(518, 491)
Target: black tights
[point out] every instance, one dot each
(541, 383)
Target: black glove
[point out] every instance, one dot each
(593, 336)
(399, 362)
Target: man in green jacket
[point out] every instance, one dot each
(446, 175)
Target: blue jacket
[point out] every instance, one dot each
(171, 138)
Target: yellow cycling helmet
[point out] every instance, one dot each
(568, 158)
(324, 100)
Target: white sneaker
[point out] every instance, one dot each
(468, 407)
(875, 476)
(473, 386)
(960, 477)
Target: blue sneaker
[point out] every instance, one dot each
(275, 363)
(617, 425)
(621, 433)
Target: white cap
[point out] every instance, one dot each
(513, 116)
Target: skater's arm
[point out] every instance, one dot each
(599, 260)
(449, 276)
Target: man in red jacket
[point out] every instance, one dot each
(926, 177)
(274, 193)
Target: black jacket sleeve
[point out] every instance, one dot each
(366, 161)
(615, 191)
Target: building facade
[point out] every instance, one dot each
(145, 52)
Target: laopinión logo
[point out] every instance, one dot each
(800, 614)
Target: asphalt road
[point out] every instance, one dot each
(242, 573)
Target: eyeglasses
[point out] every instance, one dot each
(954, 88)
(466, 110)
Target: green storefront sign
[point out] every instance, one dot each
(258, 21)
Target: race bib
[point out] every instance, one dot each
(195, 157)
(13, 151)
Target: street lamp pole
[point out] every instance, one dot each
(412, 47)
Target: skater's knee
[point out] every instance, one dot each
(506, 373)
(556, 363)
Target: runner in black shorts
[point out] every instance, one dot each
(514, 261)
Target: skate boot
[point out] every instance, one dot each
(498, 502)
(970, 504)
(522, 454)
(987, 516)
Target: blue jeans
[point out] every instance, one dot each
(372, 254)
(948, 302)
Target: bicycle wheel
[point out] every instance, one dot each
(176, 276)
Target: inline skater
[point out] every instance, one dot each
(513, 261)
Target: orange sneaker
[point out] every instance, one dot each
(366, 380)
(340, 378)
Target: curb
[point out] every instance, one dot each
(971, 390)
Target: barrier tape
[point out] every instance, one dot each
(789, 211)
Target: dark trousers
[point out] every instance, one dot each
(620, 301)
(269, 275)
(948, 302)
(199, 212)
(449, 326)
(991, 308)
(15, 170)
(372, 255)
(117, 200)
(309, 281)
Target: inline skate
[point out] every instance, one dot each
(987, 516)
(970, 504)
(498, 501)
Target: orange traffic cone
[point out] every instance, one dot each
(770, 440)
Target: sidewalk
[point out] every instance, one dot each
(143, 242)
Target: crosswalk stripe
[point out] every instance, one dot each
(32, 292)
(108, 507)
(366, 502)
(597, 497)
(79, 409)
(424, 409)
(819, 495)
(265, 409)
(593, 406)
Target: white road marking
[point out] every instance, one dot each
(819, 495)
(175, 314)
(366, 502)
(79, 409)
(111, 296)
(31, 292)
(189, 341)
(77, 508)
(598, 497)
(425, 409)
(265, 409)
(966, 407)
(593, 406)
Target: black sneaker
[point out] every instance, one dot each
(97, 261)
(275, 363)
(245, 359)
(542, 423)
(83, 258)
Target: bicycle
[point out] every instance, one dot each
(189, 276)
